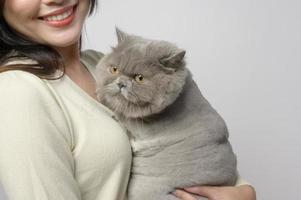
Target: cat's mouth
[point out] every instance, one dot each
(125, 95)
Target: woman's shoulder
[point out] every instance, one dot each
(24, 85)
(91, 57)
(17, 78)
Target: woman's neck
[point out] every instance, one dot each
(76, 71)
(71, 58)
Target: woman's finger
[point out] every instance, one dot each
(181, 194)
(205, 191)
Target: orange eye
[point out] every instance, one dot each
(139, 78)
(114, 69)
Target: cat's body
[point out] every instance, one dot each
(184, 143)
(188, 146)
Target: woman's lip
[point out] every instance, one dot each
(61, 23)
(57, 12)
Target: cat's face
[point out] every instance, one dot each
(140, 77)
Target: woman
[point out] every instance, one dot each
(56, 140)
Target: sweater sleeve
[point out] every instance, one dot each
(240, 181)
(36, 160)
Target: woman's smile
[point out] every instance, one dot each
(61, 17)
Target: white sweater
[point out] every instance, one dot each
(57, 142)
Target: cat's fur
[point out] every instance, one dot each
(178, 139)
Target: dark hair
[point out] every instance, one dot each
(48, 60)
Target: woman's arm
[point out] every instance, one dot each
(241, 191)
(36, 161)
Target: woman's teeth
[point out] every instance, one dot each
(60, 16)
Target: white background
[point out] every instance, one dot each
(246, 59)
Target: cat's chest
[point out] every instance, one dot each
(154, 132)
(144, 130)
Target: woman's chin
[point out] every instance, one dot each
(63, 38)
(64, 42)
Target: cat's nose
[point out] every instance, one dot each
(121, 85)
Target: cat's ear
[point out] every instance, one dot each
(174, 61)
(120, 35)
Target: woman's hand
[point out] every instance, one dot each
(243, 192)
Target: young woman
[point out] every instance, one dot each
(56, 140)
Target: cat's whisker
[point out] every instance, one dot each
(150, 108)
(101, 93)
(135, 96)
(125, 108)
(141, 118)
(141, 95)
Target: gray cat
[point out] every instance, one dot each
(178, 139)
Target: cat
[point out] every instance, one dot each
(178, 139)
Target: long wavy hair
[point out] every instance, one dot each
(48, 60)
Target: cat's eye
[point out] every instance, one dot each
(114, 69)
(139, 78)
